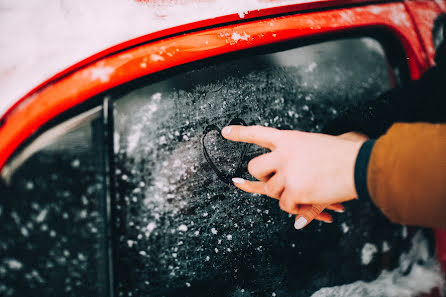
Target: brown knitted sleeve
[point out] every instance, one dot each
(406, 176)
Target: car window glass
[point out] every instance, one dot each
(183, 231)
(51, 217)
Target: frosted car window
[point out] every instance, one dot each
(183, 231)
(51, 217)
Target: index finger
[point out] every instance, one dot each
(262, 136)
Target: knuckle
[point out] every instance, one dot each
(276, 192)
(315, 211)
(235, 133)
(252, 166)
(282, 204)
(269, 189)
(273, 188)
(286, 205)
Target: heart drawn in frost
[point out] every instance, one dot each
(225, 157)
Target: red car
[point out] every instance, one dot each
(113, 174)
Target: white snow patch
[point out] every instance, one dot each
(41, 216)
(404, 232)
(41, 38)
(242, 14)
(441, 3)
(13, 264)
(156, 98)
(376, 9)
(311, 67)
(182, 228)
(399, 18)
(101, 73)
(116, 139)
(75, 163)
(24, 231)
(29, 185)
(385, 247)
(149, 228)
(237, 37)
(367, 253)
(214, 231)
(345, 228)
(156, 58)
(423, 275)
(133, 139)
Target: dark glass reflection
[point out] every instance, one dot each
(52, 220)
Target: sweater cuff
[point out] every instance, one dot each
(361, 166)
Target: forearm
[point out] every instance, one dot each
(406, 174)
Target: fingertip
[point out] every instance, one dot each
(226, 131)
(337, 207)
(300, 223)
(238, 180)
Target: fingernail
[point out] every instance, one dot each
(238, 180)
(340, 210)
(300, 223)
(226, 130)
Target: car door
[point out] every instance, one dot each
(168, 223)
(53, 212)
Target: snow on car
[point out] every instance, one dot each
(105, 189)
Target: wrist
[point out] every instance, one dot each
(361, 168)
(352, 156)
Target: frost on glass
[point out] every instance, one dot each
(51, 220)
(184, 232)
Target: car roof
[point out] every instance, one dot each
(43, 40)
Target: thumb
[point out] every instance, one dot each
(306, 216)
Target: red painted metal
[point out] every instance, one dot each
(199, 25)
(441, 4)
(72, 88)
(423, 14)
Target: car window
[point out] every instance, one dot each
(51, 214)
(184, 231)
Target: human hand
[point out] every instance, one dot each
(307, 172)
(354, 136)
